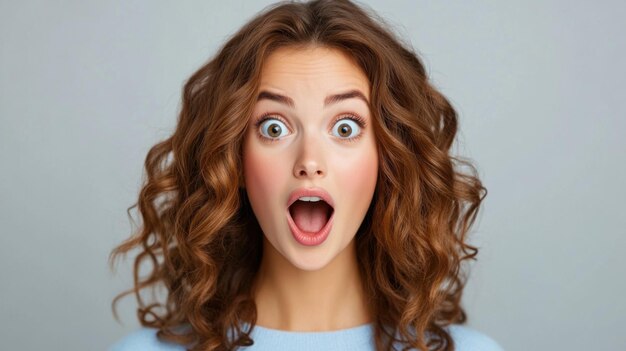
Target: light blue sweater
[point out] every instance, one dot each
(357, 338)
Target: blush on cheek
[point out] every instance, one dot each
(366, 179)
(264, 180)
(360, 181)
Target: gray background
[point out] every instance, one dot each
(87, 87)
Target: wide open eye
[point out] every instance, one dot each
(273, 128)
(346, 128)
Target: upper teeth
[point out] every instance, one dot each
(309, 198)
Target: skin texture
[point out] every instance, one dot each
(310, 288)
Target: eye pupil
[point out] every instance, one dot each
(274, 130)
(345, 130)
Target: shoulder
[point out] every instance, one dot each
(144, 339)
(468, 339)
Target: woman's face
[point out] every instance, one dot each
(315, 132)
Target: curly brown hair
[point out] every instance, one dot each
(203, 241)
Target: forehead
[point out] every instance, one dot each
(313, 68)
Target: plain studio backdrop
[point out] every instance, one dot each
(88, 87)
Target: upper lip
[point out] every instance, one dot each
(319, 192)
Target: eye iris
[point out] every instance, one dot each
(274, 130)
(345, 130)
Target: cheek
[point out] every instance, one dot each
(358, 177)
(263, 177)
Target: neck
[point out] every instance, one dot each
(331, 298)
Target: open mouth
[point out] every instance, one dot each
(310, 216)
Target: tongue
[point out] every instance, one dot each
(309, 216)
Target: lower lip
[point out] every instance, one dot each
(310, 239)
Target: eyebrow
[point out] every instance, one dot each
(329, 100)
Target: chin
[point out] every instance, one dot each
(310, 265)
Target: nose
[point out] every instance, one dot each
(310, 162)
(308, 170)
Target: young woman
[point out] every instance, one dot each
(307, 198)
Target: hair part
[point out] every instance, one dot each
(200, 235)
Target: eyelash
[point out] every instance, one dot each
(264, 117)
